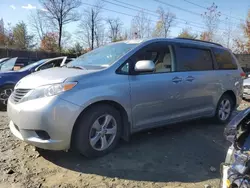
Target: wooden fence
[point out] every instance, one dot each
(5, 52)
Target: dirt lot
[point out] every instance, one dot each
(182, 155)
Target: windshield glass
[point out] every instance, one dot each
(9, 64)
(32, 65)
(103, 56)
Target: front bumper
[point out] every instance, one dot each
(51, 115)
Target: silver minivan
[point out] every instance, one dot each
(122, 88)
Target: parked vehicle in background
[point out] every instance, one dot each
(16, 63)
(246, 88)
(2, 60)
(235, 170)
(122, 88)
(247, 71)
(9, 79)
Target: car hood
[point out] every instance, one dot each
(246, 81)
(50, 76)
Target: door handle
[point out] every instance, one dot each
(176, 80)
(190, 78)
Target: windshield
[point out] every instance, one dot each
(9, 64)
(32, 65)
(103, 56)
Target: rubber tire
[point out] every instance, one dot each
(81, 132)
(217, 119)
(2, 106)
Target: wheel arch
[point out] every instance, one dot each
(2, 104)
(8, 84)
(124, 115)
(232, 95)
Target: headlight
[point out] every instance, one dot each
(48, 90)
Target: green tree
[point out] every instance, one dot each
(77, 49)
(21, 38)
(185, 33)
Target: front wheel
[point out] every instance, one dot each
(5, 93)
(97, 131)
(224, 109)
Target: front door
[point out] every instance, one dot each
(154, 95)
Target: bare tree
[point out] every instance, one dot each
(99, 35)
(141, 26)
(39, 24)
(114, 28)
(242, 45)
(165, 22)
(91, 29)
(211, 19)
(61, 12)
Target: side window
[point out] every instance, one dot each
(224, 59)
(125, 68)
(194, 59)
(8, 65)
(50, 64)
(160, 53)
(67, 61)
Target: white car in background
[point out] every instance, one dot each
(246, 88)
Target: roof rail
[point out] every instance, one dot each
(200, 41)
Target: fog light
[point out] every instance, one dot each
(42, 135)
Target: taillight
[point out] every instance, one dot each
(243, 75)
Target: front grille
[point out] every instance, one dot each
(18, 94)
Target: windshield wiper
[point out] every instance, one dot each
(77, 67)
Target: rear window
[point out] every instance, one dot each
(224, 59)
(194, 59)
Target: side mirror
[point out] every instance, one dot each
(144, 66)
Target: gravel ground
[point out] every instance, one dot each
(181, 155)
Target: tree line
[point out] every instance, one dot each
(94, 30)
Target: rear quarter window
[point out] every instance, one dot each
(224, 59)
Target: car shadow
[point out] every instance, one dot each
(182, 152)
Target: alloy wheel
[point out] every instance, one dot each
(103, 132)
(224, 109)
(5, 94)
